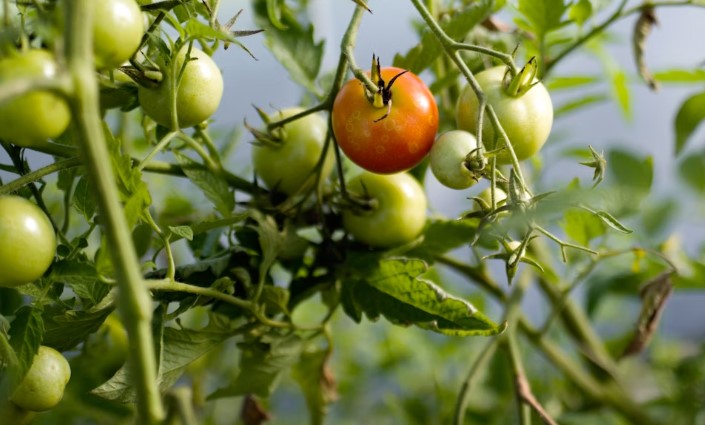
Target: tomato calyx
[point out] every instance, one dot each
(523, 81)
(273, 138)
(383, 97)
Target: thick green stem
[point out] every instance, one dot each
(134, 302)
(32, 177)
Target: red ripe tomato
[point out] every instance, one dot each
(393, 144)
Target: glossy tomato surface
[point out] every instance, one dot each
(32, 118)
(198, 96)
(118, 28)
(43, 386)
(288, 165)
(398, 214)
(448, 157)
(28, 241)
(396, 143)
(527, 119)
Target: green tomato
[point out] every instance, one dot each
(500, 198)
(106, 350)
(285, 167)
(448, 157)
(198, 95)
(28, 241)
(43, 386)
(398, 212)
(526, 118)
(32, 118)
(118, 28)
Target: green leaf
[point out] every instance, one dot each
(134, 193)
(182, 231)
(580, 11)
(83, 200)
(457, 27)
(270, 241)
(262, 363)
(675, 76)
(214, 187)
(630, 171)
(66, 329)
(82, 277)
(691, 171)
(612, 222)
(316, 382)
(582, 102)
(294, 47)
(582, 226)
(179, 348)
(570, 82)
(620, 90)
(198, 30)
(26, 333)
(690, 114)
(441, 236)
(393, 288)
(542, 15)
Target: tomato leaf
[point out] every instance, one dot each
(66, 329)
(582, 226)
(317, 383)
(83, 279)
(182, 231)
(542, 15)
(689, 116)
(26, 333)
(620, 90)
(441, 236)
(394, 288)
(460, 23)
(83, 200)
(179, 347)
(691, 171)
(580, 11)
(292, 44)
(214, 187)
(676, 76)
(570, 82)
(262, 363)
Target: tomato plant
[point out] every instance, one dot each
(396, 142)
(198, 94)
(43, 386)
(524, 109)
(29, 241)
(450, 162)
(288, 160)
(396, 213)
(244, 292)
(117, 31)
(32, 118)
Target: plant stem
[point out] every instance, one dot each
(464, 394)
(35, 175)
(134, 301)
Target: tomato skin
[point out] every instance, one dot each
(28, 241)
(32, 118)
(198, 95)
(399, 216)
(526, 119)
(287, 166)
(43, 386)
(118, 28)
(398, 142)
(447, 159)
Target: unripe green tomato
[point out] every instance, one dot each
(198, 96)
(448, 159)
(118, 28)
(527, 119)
(500, 197)
(43, 386)
(397, 218)
(107, 349)
(28, 241)
(32, 118)
(288, 165)
(12, 414)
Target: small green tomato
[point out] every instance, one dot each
(43, 386)
(448, 159)
(118, 28)
(398, 213)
